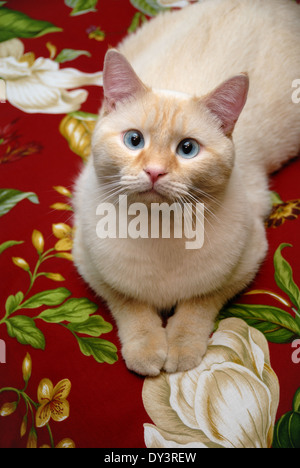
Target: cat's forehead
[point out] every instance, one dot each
(162, 111)
(171, 93)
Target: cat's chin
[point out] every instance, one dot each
(151, 196)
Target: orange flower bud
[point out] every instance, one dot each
(52, 49)
(65, 255)
(32, 439)
(63, 191)
(61, 206)
(23, 427)
(38, 241)
(66, 443)
(21, 263)
(26, 367)
(55, 276)
(8, 408)
(78, 129)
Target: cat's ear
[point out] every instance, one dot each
(227, 101)
(120, 82)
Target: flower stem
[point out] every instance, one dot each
(50, 436)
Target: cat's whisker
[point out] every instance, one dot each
(204, 194)
(185, 201)
(111, 194)
(191, 198)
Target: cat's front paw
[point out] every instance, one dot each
(185, 355)
(146, 354)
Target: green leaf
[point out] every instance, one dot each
(50, 297)
(296, 401)
(74, 310)
(67, 55)
(284, 276)
(276, 324)
(10, 197)
(148, 7)
(8, 244)
(93, 326)
(25, 331)
(101, 350)
(80, 7)
(287, 431)
(137, 20)
(17, 24)
(13, 302)
(275, 198)
(81, 115)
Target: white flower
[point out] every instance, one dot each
(229, 401)
(39, 85)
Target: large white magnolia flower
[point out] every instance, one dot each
(229, 401)
(39, 85)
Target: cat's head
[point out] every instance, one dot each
(156, 145)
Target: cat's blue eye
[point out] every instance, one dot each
(188, 148)
(134, 140)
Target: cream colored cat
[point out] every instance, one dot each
(166, 133)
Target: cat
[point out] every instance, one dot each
(197, 107)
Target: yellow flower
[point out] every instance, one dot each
(8, 408)
(21, 263)
(38, 241)
(64, 233)
(53, 401)
(282, 211)
(26, 367)
(64, 443)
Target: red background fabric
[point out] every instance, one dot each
(106, 407)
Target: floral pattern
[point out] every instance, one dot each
(39, 85)
(282, 211)
(234, 387)
(11, 148)
(246, 391)
(52, 403)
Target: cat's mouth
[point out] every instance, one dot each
(145, 191)
(152, 195)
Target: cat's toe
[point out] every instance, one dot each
(184, 357)
(146, 356)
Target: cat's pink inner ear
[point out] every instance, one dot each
(120, 82)
(227, 101)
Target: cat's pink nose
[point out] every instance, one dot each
(155, 172)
